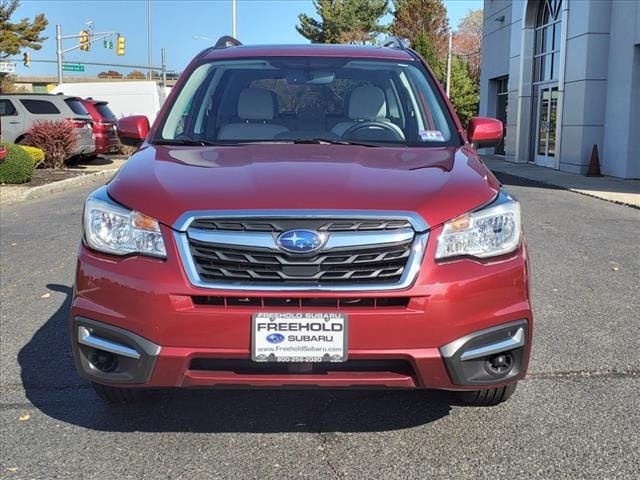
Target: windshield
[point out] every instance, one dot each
(367, 101)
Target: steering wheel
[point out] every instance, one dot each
(374, 124)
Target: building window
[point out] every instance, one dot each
(547, 38)
(502, 104)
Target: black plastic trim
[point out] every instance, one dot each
(129, 370)
(474, 372)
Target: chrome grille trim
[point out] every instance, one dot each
(269, 224)
(267, 240)
(417, 222)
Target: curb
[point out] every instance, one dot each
(580, 191)
(59, 186)
(588, 193)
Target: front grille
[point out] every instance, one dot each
(255, 265)
(301, 302)
(369, 252)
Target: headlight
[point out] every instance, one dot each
(111, 228)
(494, 230)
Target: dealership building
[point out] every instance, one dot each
(563, 76)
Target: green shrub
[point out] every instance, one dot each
(36, 154)
(17, 166)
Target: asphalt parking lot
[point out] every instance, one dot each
(576, 416)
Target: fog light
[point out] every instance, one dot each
(104, 361)
(499, 364)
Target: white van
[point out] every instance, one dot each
(125, 97)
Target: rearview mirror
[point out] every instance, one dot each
(305, 77)
(133, 130)
(484, 132)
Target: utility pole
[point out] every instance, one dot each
(449, 64)
(233, 19)
(59, 52)
(149, 53)
(163, 57)
(91, 36)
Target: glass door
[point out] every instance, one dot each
(547, 110)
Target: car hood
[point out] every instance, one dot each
(437, 183)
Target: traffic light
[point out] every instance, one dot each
(83, 40)
(121, 42)
(26, 59)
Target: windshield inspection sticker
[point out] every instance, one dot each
(431, 136)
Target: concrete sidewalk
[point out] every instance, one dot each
(613, 189)
(98, 171)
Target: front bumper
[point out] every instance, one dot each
(417, 345)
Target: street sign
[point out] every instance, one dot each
(72, 67)
(7, 67)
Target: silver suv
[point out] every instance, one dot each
(19, 111)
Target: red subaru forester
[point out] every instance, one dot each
(304, 216)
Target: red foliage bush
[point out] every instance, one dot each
(56, 138)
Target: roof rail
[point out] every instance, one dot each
(227, 41)
(394, 42)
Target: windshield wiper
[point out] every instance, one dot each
(192, 143)
(206, 143)
(332, 142)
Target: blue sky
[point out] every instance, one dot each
(174, 23)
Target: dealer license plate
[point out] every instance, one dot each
(299, 337)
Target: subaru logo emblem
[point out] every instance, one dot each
(275, 338)
(301, 241)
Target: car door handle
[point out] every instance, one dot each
(14, 123)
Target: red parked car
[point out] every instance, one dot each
(104, 126)
(304, 216)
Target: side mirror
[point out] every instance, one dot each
(133, 130)
(484, 132)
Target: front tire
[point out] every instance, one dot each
(118, 394)
(488, 397)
